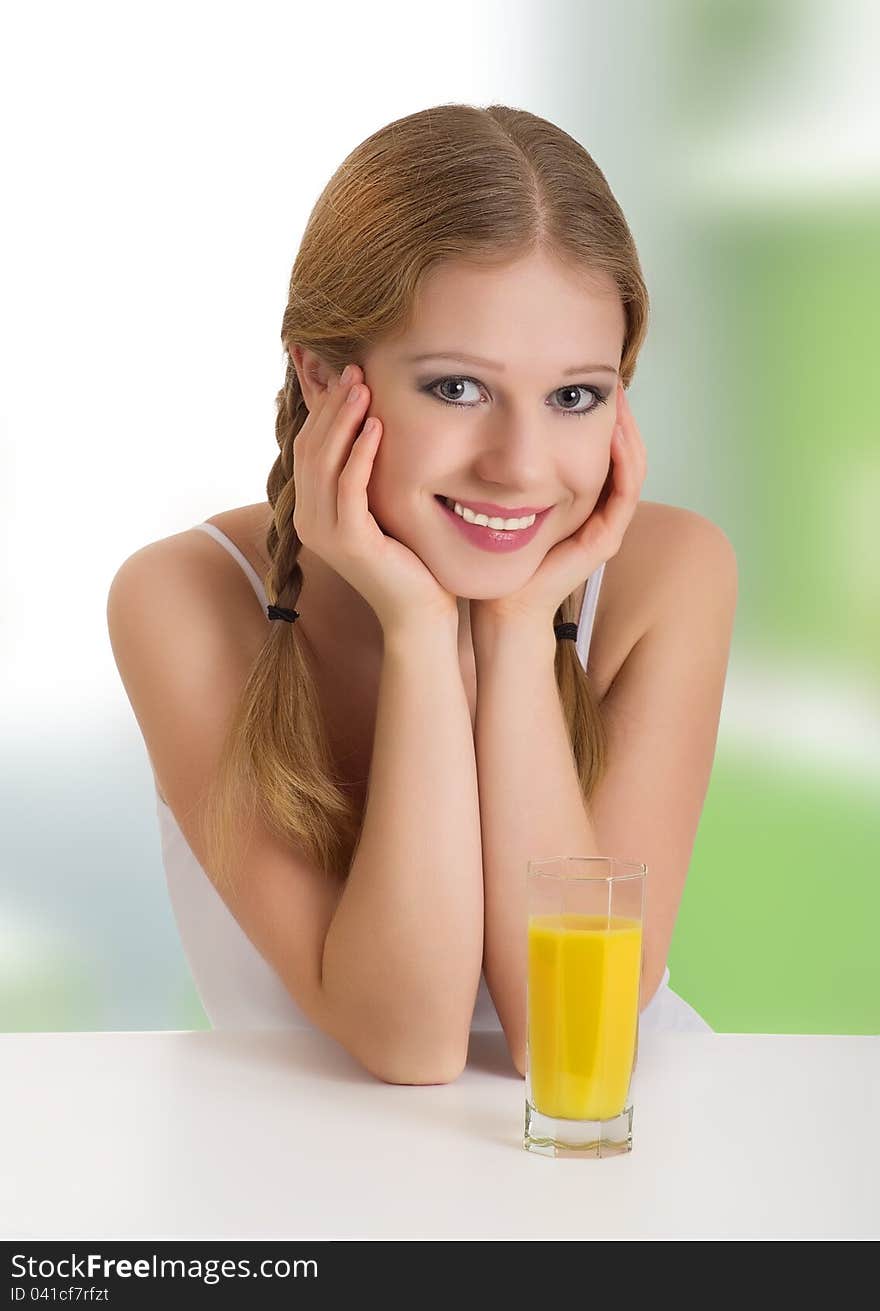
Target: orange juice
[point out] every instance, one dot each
(583, 1008)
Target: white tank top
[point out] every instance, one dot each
(237, 986)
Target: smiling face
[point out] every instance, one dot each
(533, 428)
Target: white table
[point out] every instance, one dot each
(282, 1135)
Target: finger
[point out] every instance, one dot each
(337, 445)
(352, 504)
(636, 462)
(627, 419)
(337, 398)
(327, 416)
(350, 418)
(310, 441)
(330, 444)
(615, 515)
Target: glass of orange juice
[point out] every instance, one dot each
(584, 937)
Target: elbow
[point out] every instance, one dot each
(430, 1070)
(423, 1064)
(394, 1058)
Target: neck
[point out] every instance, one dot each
(336, 618)
(334, 614)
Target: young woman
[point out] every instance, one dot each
(353, 773)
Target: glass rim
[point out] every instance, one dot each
(637, 869)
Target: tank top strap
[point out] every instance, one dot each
(588, 613)
(253, 577)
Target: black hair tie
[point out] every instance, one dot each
(278, 612)
(562, 631)
(565, 630)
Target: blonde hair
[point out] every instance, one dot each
(453, 182)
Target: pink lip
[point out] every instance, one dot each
(501, 511)
(494, 539)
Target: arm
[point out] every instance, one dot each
(531, 804)
(662, 715)
(399, 945)
(403, 954)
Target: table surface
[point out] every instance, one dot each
(282, 1135)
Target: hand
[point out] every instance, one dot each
(332, 463)
(569, 562)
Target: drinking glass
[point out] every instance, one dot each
(584, 938)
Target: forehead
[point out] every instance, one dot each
(526, 311)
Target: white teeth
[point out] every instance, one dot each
(509, 525)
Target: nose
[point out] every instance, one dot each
(513, 456)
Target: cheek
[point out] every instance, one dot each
(405, 466)
(588, 471)
(595, 473)
(389, 490)
(583, 479)
(586, 484)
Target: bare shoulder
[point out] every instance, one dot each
(671, 546)
(663, 549)
(184, 621)
(195, 558)
(184, 600)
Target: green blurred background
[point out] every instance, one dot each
(742, 142)
(778, 927)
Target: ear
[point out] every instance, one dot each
(315, 376)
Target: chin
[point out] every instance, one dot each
(491, 581)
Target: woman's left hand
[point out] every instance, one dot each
(572, 560)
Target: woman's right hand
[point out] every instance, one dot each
(332, 463)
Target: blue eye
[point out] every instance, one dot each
(599, 398)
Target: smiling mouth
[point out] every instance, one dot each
(450, 503)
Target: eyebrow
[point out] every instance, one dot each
(457, 357)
